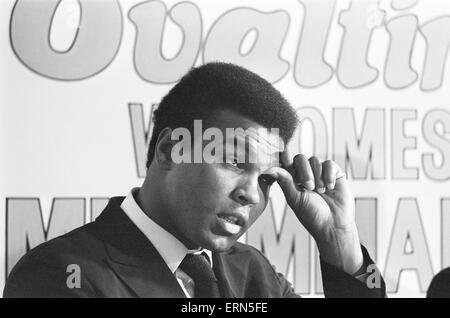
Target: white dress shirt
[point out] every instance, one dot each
(168, 246)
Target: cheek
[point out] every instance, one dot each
(201, 186)
(212, 175)
(259, 209)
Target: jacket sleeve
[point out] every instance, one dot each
(287, 290)
(44, 276)
(338, 284)
(440, 285)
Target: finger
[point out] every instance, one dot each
(329, 174)
(316, 167)
(286, 161)
(286, 182)
(341, 178)
(304, 176)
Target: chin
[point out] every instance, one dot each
(220, 243)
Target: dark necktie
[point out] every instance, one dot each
(199, 269)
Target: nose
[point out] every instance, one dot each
(246, 193)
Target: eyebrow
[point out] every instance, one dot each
(275, 162)
(248, 142)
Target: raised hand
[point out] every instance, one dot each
(319, 195)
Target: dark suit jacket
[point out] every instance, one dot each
(440, 285)
(116, 260)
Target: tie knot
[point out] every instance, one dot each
(198, 267)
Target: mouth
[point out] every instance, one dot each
(229, 219)
(232, 223)
(234, 218)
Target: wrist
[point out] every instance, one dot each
(342, 249)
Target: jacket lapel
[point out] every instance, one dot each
(133, 258)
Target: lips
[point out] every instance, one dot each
(234, 218)
(231, 223)
(229, 219)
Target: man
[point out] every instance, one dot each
(176, 236)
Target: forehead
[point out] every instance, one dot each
(243, 135)
(262, 141)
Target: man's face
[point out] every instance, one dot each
(213, 204)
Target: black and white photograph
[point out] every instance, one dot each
(228, 149)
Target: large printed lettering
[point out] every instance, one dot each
(149, 19)
(353, 69)
(398, 72)
(408, 229)
(436, 33)
(228, 33)
(401, 142)
(436, 170)
(141, 135)
(360, 152)
(244, 36)
(317, 136)
(311, 70)
(286, 243)
(95, 45)
(25, 225)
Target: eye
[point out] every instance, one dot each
(233, 163)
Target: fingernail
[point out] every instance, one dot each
(321, 190)
(330, 186)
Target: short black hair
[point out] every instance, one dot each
(217, 86)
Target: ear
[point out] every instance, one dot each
(163, 148)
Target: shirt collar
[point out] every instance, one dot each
(168, 246)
